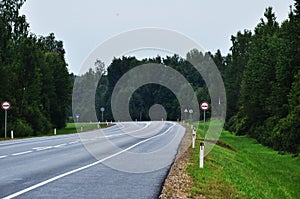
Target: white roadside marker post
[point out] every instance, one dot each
(194, 138)
(54, 131)
(12, 134)
(201, 155)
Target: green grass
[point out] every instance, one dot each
(71, 128)
(251, 171)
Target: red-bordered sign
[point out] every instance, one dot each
(204, 106)
(5, 105)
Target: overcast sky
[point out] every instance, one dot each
(83, 25)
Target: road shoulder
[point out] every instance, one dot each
(178, 182)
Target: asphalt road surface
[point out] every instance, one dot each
(127, 160)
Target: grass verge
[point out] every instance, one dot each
(71, 128)
(247, 170)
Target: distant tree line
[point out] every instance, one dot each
(145, 96)
(34, 76)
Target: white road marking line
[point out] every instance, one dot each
(4, 156)
(42, 148)
(60, 145)
(82, 168)
(21, 153)
(73, 142)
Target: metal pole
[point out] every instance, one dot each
(5, 126)
(102, 116)
(204, 126)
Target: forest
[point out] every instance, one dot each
(261, 74)
(34, 76)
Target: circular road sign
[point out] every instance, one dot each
(191, 111)
(102, 109)
(77, 115)
(5, 105)
(204, 106)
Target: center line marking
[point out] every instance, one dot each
(4, 156)
(21, 153)
(57, 146)
(42, 148)
(73, 142)
(84, 167)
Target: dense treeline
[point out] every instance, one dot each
(34, 75)
(145, 96)
(262, 82)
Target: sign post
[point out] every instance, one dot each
(102, 109)
(185, 112)
(191, 111)
(77, 115)
(5, 107)
(204, 106)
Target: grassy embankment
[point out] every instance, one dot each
(249, 170)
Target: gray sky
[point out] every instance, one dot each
(83, 25)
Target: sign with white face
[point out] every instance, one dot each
(102, 109)
(77, 115)
(6, 105)
(204, 106)
(191, 111)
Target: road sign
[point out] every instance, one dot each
(204, 106)
(191, 111)
(102, 109)
(6, 105)
(77, 115)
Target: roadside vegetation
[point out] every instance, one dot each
(34, 76)
(240, 167)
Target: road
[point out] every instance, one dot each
(127, 160)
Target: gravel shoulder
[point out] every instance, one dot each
(178, 182)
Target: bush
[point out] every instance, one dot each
(21, 128)
(39, 123)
